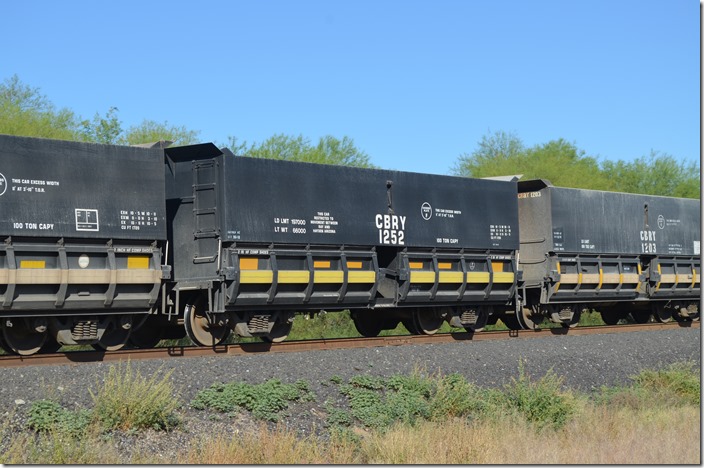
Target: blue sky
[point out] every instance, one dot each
(416, 84)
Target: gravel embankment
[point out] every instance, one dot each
(585, 362)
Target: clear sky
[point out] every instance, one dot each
(414, 83)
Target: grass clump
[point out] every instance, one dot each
(541, 402)
(678, 384)
(125, 401)
(266, 400)
(379, 403)
(128, 401)
(406, 399)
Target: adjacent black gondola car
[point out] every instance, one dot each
(82, 226)
(582, 247)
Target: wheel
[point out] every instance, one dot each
(201, 329)
(279, 332)
(662, 313)
(23, 336)
(568, 316)
(574, 321)
(529, 318)
(482, 318)
(50, 346)
(610, 317)
(367, 323)
(115, 335)
(426, 321)
(4, 345)
(640, 316)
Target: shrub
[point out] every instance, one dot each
(542, 402)
(128, 401)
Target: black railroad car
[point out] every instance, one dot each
(613, 251)
(82, 227)
(254, 240)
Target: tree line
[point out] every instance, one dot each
(25, 111)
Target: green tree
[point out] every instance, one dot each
(558, 161)
(24, 111)
(328, 150)
(106, 130)
(565, 165)
(496, 155)
(656, 174)
(150, 131)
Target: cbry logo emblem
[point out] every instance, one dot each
(3, 184)
(426, 211)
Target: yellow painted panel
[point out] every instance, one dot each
(478, 277)
(694, 277)
(321, 264)
(422, 277)
(497, 266)
(354, 264)
(444, 266)
(503, 277)
(138, 262)
(293, 277)
(361, 277)
(416, 265)
(249, 263)
(328, 277)
(451, 277)
(32, 264)
(256, 277)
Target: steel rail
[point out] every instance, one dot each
(77, 357)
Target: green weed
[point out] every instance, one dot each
(266, 400)
(126, 400)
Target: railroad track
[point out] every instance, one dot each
(77, 357)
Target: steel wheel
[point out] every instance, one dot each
(482, 319)
(529, 318)
(201, 329)
(610, 317)
(279, 332)
(426, 321)
(367, 323)
(662, 313)
(115, 335)
(50, 346)
(22, 337)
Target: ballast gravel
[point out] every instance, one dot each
(585, 362)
